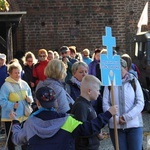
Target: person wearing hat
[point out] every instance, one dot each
(46, 129)
(85, 56)
(130, 103)
(38, 69)
(65, 54)
(3, 75)
(3, 69)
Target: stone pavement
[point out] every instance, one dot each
(106, 143)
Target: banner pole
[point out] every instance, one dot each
(114, 118)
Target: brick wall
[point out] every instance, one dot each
(51, 23)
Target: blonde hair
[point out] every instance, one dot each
(28, 55)
(89, 81)
(55, 69)
(86, 52)
(50, 52)
(76, 65)
(103, 51)
(56, 55)
(13, 66)
(15, 60)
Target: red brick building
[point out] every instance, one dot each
(50, 24)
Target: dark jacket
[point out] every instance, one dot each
(28, 74)
(92, 67)
(3, 74)
(48, 130)
(74, 90)
(70, 62)
(84, 111)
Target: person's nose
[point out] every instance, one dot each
(84, 73)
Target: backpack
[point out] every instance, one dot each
(146, 95)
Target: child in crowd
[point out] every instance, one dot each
(84, 111)
(46, 129)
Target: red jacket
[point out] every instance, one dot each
(38, 71)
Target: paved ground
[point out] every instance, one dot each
(106, 143)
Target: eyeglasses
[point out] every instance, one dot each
(42, 55)
(29, 60)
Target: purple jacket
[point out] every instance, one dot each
(92, 67)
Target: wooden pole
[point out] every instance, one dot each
(114, 118)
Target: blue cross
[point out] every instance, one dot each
(109, 42)
(109, 63)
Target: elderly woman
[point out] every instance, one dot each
(14, 95)
(79, 70)
(56, 73)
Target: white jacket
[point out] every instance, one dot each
(130, 103)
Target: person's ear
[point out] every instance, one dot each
(89, 91)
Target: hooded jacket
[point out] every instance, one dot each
(49, 130)
(63, 98)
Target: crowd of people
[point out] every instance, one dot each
(70, 104)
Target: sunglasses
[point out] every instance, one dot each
(42, 55)
(29, 60)
(64, 53)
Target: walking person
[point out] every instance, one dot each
(13, 93)
(86, 56)
(29, 61)
(3, 75)
(3, 69)
(130, 103)
(65, 55)
(79, 70)
(83, 110)
(38, 69)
